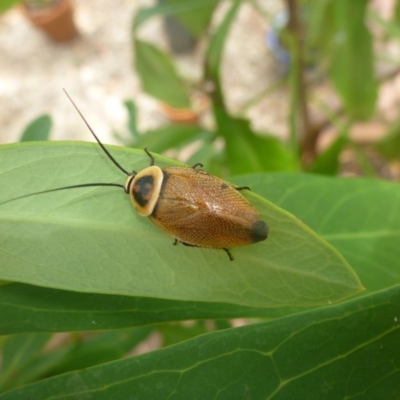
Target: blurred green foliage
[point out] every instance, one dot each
(38, 129)
(336, 37)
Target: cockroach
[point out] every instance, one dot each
(196, 208)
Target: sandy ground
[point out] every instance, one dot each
(95, 68)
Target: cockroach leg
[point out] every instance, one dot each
(199, 164)
(151, 157)
(229, 253)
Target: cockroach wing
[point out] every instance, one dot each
(202, 210)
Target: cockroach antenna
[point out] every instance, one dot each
(97, 139)
(83, 185)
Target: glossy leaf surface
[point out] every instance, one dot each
(336, 349)
(359, 217)
(92, 240)
(27, 308)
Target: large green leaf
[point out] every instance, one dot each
(352, 69)
(345, 351)
(26, 308)
(158, 75)
(359, 217)
(91, 240)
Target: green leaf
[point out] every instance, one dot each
(18, 352)
(173, 333)
(91, 239)
(158, 75)
(132, 118)
(197, 15)
(100, 348)
(364, 162)
(26, 308)
(194, 15)
(344, 351)
(328, 162)
(389, 145)
(167, 137)
(207, 154)
(396, 13)
(247, 152)
(389, 27)
(352, 69)
(320, 29)
(36, 368)
(359, 217)
(217, 43)
(39, 129)
(213, 63)
(75, 354)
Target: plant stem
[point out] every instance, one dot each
(308, 136)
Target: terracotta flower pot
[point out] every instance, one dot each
(56, 20)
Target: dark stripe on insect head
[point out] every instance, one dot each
(143, 189)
